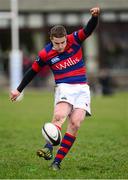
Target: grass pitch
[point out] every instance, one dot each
(100, 151)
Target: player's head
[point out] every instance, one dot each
(58, 37)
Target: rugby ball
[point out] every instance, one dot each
(51, 134)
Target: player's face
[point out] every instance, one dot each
(59, 44)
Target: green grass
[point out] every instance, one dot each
(100, 151)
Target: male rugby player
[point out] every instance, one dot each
(72, 97)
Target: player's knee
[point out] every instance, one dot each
(59, 116)
(75, 125)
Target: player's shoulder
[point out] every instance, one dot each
(43, 52)
(48, 47)
(70, 38)
(78, 36)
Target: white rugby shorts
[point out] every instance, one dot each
(78, 95)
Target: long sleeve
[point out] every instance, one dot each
(29, 75)
(91, 25)
(86, 31)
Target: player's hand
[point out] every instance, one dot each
(95, 11)
(14, 95)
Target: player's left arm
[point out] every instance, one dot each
(92, 23)
(87, 30)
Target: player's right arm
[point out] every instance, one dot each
(29, 75)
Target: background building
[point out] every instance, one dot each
(106, 51)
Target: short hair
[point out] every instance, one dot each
(58, 31)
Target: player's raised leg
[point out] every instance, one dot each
(75, 120)
(61, 111)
